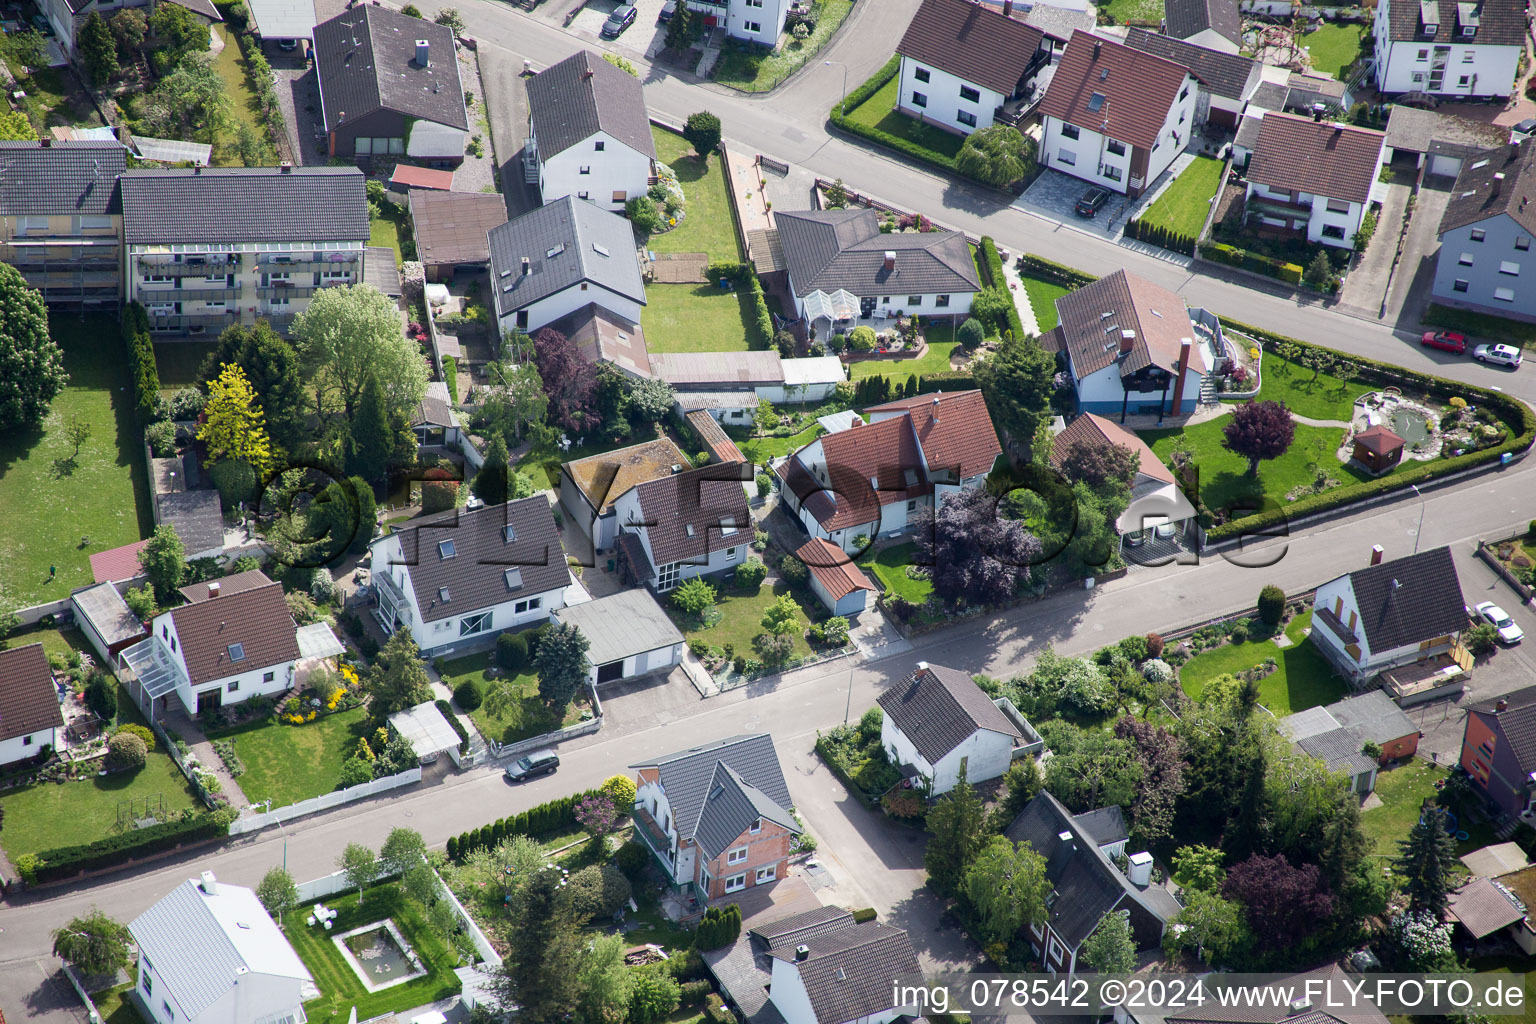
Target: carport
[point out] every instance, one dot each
(279, 20)
(427, 731)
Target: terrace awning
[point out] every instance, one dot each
(317, 641)
(839, 305)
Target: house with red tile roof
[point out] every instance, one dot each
(837, 583)
(1314, 177)
(962, 60)
(1114, 115)
(873, 478)
(1155, 497)
(31, 719)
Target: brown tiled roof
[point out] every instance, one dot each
(233, 584)
(1378, 440)
(954, 431)
(603, 478)
(601, 335)
(256, 619)
(714, 436)
(832, 568)
(865, 467)
(1098, 430)
(1482, 908)
(1138, 91)
(28, 700)
(1337, 161)
(1093, 340)
(451, 227)
(686, 515)
(971, 41)
(1500, 22)
(1474, 199)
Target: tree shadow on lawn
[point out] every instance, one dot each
(689, 169)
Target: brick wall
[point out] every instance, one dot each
(770, 846)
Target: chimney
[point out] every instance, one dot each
(1127, 341)
(1007, 8)
(1498, 182)
(1186, 346)
(47, 142)
(285, 167)
(1376, 554)
(890, 259)
(1318, 109)
(1065, 837)
(1501, 705)
(423, 53)
(209, 884)
(1139, 870)
(213, 589)
(586, 74)
(527, 267)
(1096, 45)
(802, 953)
(922, 666)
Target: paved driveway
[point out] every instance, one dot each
(36, 991)
(1366, 287)
(1415, 274)
(1055, 194)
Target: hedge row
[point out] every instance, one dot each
(906, 147)
(994, 264)
(946, 380)
(259, 74)
(112, 850)
(720, 926)
(1517, 413)
(1156, 234)
(864, 915)
(543, 820)
(828, 755)
(1050, 270)
(141, 358)
(744, 275)
(458, 726)
(1220, 252)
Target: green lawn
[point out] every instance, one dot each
(384, 232)
(50, 814)
(340, 989)
(115, 1006)
(753, 69)
(1303, 679)
(179, 361)
(243, 106)
(54, 641)
(1184, 204)
(890, 566)
(699, 318)
(1224, 479)
(1042, 299)
(1403, 790)
(709, 225)
(48, 101)
(49, 500)
(879, 111)
(941, 342)
(759, 448)
(532, 717)
(289, 763)
(1333, 47)
(1137, 10)
(1481, 325)
(1520, 965)
(1324, 398)
(741, 614)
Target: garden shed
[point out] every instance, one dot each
(630, 635)
(104, 617)
(1378, 449)
(838, 584)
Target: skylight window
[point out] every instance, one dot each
(445, 549)
(1096, 102)
(556, 251)
(514, 579)
(601, 250)
(442, 594)
(237, 652)
(509, 533)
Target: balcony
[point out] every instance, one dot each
(284, 291)
(211, 265)
(648, 829)
(1284, 207)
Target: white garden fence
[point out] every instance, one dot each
(324, 802)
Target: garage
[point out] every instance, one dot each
(1450, 166)
(628, 635)
(610, 673)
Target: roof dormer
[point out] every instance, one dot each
(1429, 19)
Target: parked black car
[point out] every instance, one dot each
(1091, 202)
(621, 18)
(540, 762)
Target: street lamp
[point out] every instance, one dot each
(842, 106)
(1420, 531)
(848, 707)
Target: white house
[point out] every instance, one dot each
(234, 641)
(961, 61)
(588, 132)
(841, 266)
(630, 635)
(939, 721)
(843, 976)
(872, 479)
(1314, 177)
(31, 719)
(755, 21)
(692, 523)
(553, 261)
(591, 487)
(1114, 115)
(466, 575)
(210, 954)
(1226, 81)
(1389, 614)
(1448, 49)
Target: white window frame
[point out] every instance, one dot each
(756, 826)
(736, 883)
(736, 856)
(470, 625)
(1504, 294)
(767, 873)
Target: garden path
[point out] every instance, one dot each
(186, 727)
(1309, 421)
(1020, 298)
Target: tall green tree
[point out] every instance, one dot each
(27, 49)
(680, 30)
(366, 513)
(164, 561)
(31, 364)
(1428, 864)
(128, 27)
(491, 483)
(603, 981)
(98, 49)
(957, 831)
(277, 892)
(274, 370)
(94, 944)
(515, 401)
(1017, 382)
(352, 334)
(178, 34)
(403, 849)
(397, 680)
(15, 127)
(369, 438)
(562, 664)
(999, 155)
(1199, 867)
(1212, 924)
(360, 865)
(1111, 949)
(1006, 887)
(544, 952)
(702, 130)
(233, 425)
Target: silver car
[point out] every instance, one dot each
(1499, 355)
(1509, 631)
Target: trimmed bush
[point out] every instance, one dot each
(694, 993)
(864, 914)
(1220, 252)
(143, 732)
(1050, 270)
(114, 850)
(125, 752)
(1271, 604)
(467, 695)
(621, 790)
(631, 859)
(994, 265)
(511, 653)
(536, 822)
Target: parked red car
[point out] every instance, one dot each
(1448, 340)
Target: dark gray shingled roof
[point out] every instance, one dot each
(1517, 721)
(691, 776)
(1409, 599)
(196, 517)
(1500, 22)
(939, 708)
(582, 95)
(1340, 750)
(1105, 825)
(240, 204)
(47, 178)
(1474, 199)
(483, 567)
(588, 244)
(744, 968)
(849, 972)
(1185, 18)
(830, 249)
(365, 60)
(1223, 74)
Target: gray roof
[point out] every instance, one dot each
(463, 561)
(1088, 884)
(1417, 131)
(791, 931)
(1185, 18)
(588, 244)
(38, 178)
(283, 19)
(201, 945)
(1517, 721)
(1340, 750)
(744, 968)
(104, 608)
(1474, 199)
(1218, 1011)
(830, 249)
(573, 100)
(196, 517)
(849, 972)
(1058, 23)
(380, 271)
(435, 408)
(1105, 826)
(365, 60)
(724, 785)
(622, 624)
(244, 204)
(939, 708)
(1373, 716)
(1269, 96)
(1223, 74)
(709, 369)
